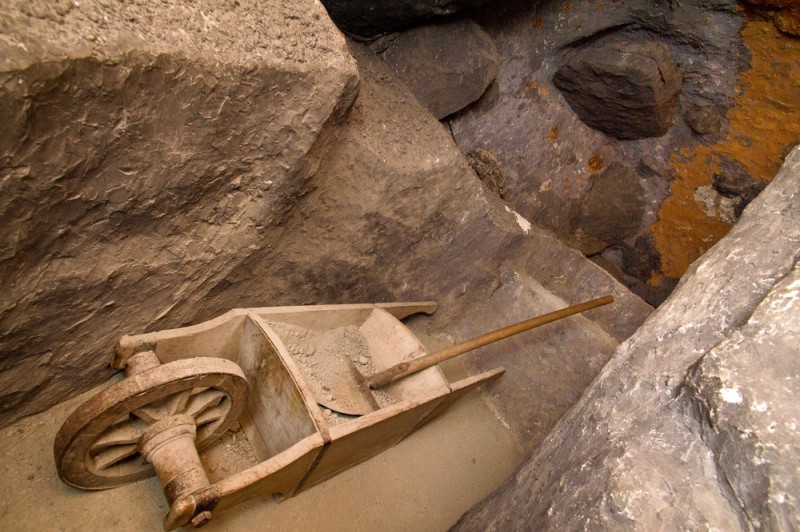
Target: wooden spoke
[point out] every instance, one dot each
(212, 414)
(177, 403)
(125, 433)
(148, 414)
(108, 457)
(204, 400)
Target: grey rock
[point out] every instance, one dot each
(701, 401)
(447, 66)
(368, 20)
(135, 173)
(628, 90)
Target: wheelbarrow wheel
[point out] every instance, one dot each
(98, 446)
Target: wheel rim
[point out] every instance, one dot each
(97, 447)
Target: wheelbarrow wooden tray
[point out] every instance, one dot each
(296, 444)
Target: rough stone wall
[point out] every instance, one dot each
(737, 118)
(694, 421)
(145, 150)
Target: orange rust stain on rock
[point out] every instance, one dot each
(655, 279)
(595, 163)
(553, 135)
(764, 122)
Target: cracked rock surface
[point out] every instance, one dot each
(145, 148)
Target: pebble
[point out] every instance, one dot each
(363, 361)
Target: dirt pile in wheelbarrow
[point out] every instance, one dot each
(323, 355)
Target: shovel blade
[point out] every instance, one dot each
(340, 387)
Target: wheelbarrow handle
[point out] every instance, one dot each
(403, 369)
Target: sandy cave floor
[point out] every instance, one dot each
(424, 484)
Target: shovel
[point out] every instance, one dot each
(352, 390)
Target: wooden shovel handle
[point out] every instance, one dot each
(398, 371)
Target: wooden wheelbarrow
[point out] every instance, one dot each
(278, 372)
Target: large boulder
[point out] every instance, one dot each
(368, 20)
(693, 423)
(628, 90)
(145, 150)
(447, 66)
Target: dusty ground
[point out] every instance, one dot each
(424, 483)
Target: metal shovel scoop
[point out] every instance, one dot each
(349, 391)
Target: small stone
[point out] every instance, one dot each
(363, 361)
(703, 120)
(788, 21)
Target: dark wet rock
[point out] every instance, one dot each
(628, 90)
(703, 119)
(733, 181)
(611, 209)
(701, 401)
(447, 66)
(367, 20)
(487, 168)
(547, 153)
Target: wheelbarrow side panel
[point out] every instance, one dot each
(356, 441)
(280, 407)
(280, 475)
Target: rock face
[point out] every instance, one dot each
(610, 211)
(628, 90)
(368, 20)
(550, 156)
(136, 172)
(447, 66)
(702, 401)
